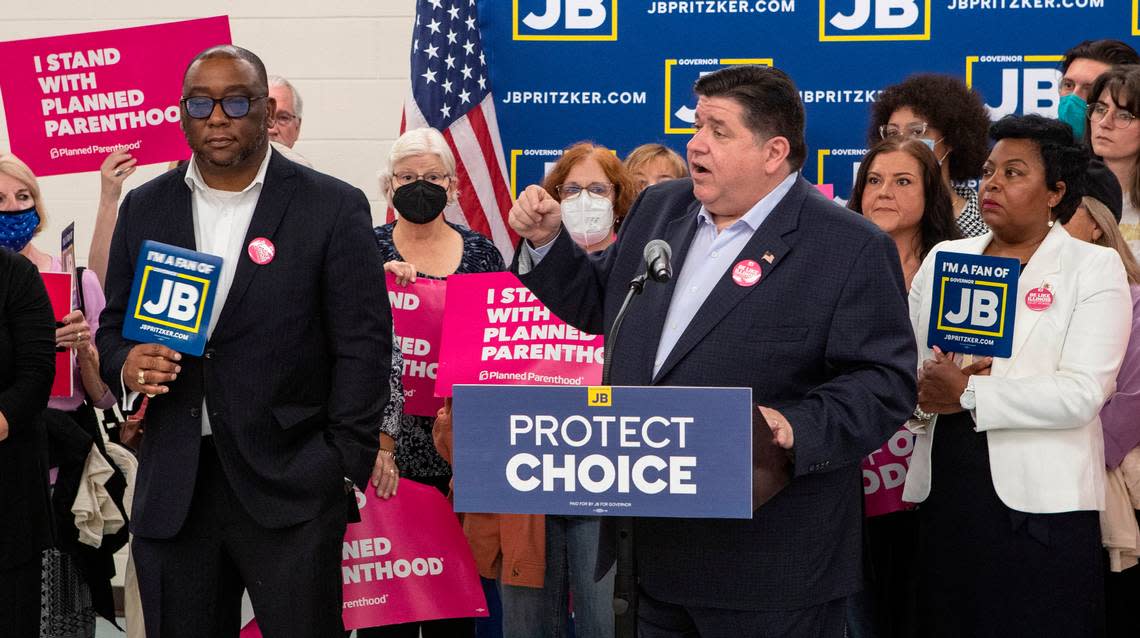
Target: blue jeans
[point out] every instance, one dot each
(571, 552)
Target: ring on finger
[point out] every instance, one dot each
(141, 378)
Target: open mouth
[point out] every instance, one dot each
(699, 169)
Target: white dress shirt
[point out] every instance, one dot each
(221, 221)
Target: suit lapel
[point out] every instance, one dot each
(276, 193)
(1039, 272)
(178, 222)
(655, 303)
(767, 241)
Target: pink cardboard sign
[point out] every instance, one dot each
(407, 560)
(417, 317)
(884, 474)
(71, 100)
(495, 331)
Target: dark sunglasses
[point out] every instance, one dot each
(201, 108)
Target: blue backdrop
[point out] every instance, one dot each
(620, 72)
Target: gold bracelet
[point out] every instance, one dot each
(388, 453)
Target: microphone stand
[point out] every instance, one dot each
(625, 579)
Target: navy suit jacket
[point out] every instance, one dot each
(824, 337)
(295, 374)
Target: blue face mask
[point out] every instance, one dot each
(1072, 110)
(930, 144)
(17, 228)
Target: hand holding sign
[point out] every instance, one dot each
(113, 172)
(941, 382)
(405, 273)
(149, 367)
(536, 216)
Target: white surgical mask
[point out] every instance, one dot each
(588, 218)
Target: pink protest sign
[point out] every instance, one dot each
(417, 317)
(884, 473)
(406, 560)
(71, 100)
(496, 331)
(828, 190)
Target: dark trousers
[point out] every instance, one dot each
(658, 619)
(20, 600)
(191, 585)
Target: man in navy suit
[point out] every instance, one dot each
(242, 475)
(777, 289)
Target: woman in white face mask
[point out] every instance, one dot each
(595, 191)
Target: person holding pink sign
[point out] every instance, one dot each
(27, 363)
(77, 589)
(900, 188)
(420, 181)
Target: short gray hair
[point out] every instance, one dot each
(280, 82)
(418, 141)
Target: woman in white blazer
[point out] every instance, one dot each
(1009, 466)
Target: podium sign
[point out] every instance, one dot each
(604, 451)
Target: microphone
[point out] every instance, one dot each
(657, 255)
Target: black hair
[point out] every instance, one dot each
(1123, 85)
(1107, 51)
(235, 52)
(1065, 160)
(772, 106)
(947, 104)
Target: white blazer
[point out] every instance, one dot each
(1039, 408)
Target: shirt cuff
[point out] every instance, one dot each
(129, 398)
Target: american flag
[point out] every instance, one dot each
(451, 92)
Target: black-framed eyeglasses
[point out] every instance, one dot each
(201, 107)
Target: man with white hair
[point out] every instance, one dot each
(285, 127)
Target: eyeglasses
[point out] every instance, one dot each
(439, 179)
(1121, 119)
(601, 189)
(285, 118)
(916, 129)
(202, 107)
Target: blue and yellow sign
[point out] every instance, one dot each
(604, 451)
(974, 301)
(172, 297)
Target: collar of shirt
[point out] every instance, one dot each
(759, 211)
(195, 182)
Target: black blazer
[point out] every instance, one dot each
(27, 364)
(824, 337)
(295, 374)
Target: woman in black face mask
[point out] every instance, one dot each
(419, 183)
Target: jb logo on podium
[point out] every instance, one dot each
(172, 297)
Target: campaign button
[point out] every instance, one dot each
(261, 251)
(1039, 299)
(746, 273)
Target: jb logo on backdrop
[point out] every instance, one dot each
(872, 20)
(1016, 84)
(564, 19)
(680, 103)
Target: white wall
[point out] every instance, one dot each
(348, 58)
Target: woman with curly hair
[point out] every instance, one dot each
(952, 120)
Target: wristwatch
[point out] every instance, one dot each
(922, 415)
(968, 401)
